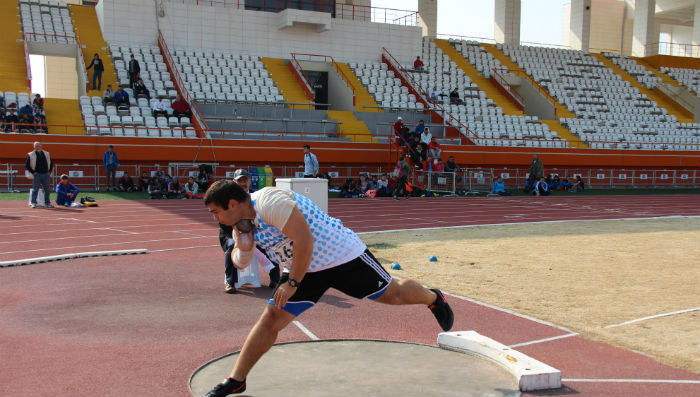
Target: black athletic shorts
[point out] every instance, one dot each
(362, 277)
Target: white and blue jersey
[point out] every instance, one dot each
(334, 244)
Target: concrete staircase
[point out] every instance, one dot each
(484, 84)
(61, 113)
(352, 128)
(87, 29)
(13, 74)
(363, 99)
(286, 82)
(673, 108)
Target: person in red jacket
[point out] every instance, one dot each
(181, 108)
(418, 65)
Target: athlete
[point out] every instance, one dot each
(316, 251)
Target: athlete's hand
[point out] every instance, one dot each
(244, 241)
(283, 293)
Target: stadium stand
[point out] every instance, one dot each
(47, 21)
(688, 77)
(612, 114)
(154, 72)
(639, 72)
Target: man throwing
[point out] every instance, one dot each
(317, 253)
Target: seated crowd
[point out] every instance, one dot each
(29, 118)
(163, 186)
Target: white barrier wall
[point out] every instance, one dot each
(252, 32)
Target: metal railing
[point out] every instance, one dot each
(353, 12)
(465, 180)
(326, 59)
(302, 78)
(199, 122)
(501, 81)
(674, 49)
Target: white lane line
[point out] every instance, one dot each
(117, 230)
(680, 381)
(104, 244)
(652, 317)
(532, 342)
(185, 248)
(305, 330)
(521, 223)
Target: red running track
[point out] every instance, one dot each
(140, 325)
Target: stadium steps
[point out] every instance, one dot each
(561, 110)
(64, 112)
(484, 84)
(663, 76)
(286, 82)
(362, 96)
(351, 128)
(13, 74)
(87, 29)
(673, 108)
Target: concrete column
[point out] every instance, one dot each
(644, 29)
(427, 9)
(696, 30)
(580, 25)
(507, 21)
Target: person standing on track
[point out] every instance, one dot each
(317, 253)
(39, 167)
(111, 162)
(310, 163)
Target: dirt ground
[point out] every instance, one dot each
(579, 275)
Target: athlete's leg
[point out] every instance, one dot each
(406, 292)
(260, 339)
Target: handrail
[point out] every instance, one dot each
(83, 127)
(498, 78)
(468, 38)
(532, 82)
(27, 64)
(674, 49)
(422, 94)
(199, 122)
(302, 78)
(335, 65)
(384, 15)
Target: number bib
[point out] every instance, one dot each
(283, 252)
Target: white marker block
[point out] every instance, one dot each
(531, 374)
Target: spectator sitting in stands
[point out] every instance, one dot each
(428, 163)
(126, 183)
(10, 120)
(499, 187)
(181, 108)
(565, 184)
(418, 65)
(398, 125)
(175, 189)
(435, 95)
(541, 187)
(192, 189)
(383, 186)
(426, 137)
(160, 108)
(578, 186)
(454, 98)
(349, 189)
(121, 98)
(363, 185)
(144, 181)
(555, 183)
(203, 179)
(167, 179)
(108, 96)
(140, 90)
(26, 116)
(419, 129)
(38, 101)
(156, 188)
(434, 148)
(450, 165)
(66, 192)
(373, 183)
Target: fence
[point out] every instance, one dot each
(466, 180)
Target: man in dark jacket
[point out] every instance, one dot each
(134, 70)
(97, 73)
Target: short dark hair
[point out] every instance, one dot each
(222, 191)
(307, 147)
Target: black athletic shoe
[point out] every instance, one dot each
(274, 277)
(229, 386)
(442, 311)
